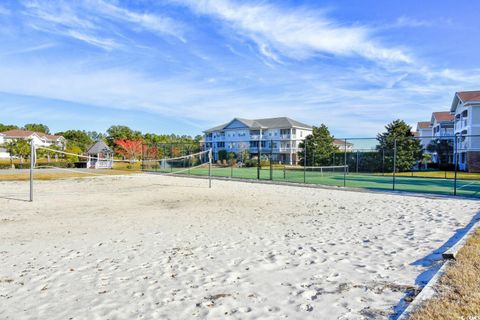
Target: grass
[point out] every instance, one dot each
(54, 174)
(459, 287)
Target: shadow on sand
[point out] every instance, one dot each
(433, 262)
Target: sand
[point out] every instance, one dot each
(159, 247)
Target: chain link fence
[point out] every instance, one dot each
(448, 165)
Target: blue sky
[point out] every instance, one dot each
(182, 66)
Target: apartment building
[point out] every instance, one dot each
(465, 110)
(279, 137)
(424, 133)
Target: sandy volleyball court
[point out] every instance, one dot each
(157, 247)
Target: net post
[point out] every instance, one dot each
(210, 168)
(32, 164)
(455, 148)
(394, 162)
(345, 164)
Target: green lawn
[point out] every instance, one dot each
(404, 182)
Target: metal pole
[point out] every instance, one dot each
(383, 162)
(271, 158)
(305, 161)
(455, 147)
(143, 155)
(164, 156)
(259, 154)
(210, 168)
(32, 164)
(357, 160)
(345, 164)
(394, 162)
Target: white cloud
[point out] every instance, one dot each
(296, 33)
(90, 20)
(404, 21)
(153, 22)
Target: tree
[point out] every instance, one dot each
(130, 149)
(96, 136)
(409, 149)
(19, 148)
(319, 147)
(6, 127)
(222, 155)
(444, 150)
(77, 138)
(37, 127)
(75, 150)
(122, 133)
(10, 147)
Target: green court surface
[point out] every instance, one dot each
(465, 187)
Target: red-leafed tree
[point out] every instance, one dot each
(151, 152)
(130, 149)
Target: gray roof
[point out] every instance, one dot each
(281, 122)
(99, 147)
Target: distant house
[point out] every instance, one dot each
(465, 110)
(100, 156)
(39, 138)
(424, 133)
(342, 145)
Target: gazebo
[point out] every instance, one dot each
(100, 156)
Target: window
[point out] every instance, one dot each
(253, 144)
(220, 144)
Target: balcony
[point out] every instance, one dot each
(255, 137)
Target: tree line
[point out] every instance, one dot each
(125, 142)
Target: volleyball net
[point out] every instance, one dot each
(48, 163)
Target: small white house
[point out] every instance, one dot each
(100, 156)
(342, 145)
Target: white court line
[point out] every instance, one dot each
(468, 184)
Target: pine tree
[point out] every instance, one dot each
(409, 149)
(319, 147)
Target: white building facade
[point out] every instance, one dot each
(425, 132)
(466, 112)
(278, 137)
(39, 139)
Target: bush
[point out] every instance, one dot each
(249, 163)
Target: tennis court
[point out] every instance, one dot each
(465, 187)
